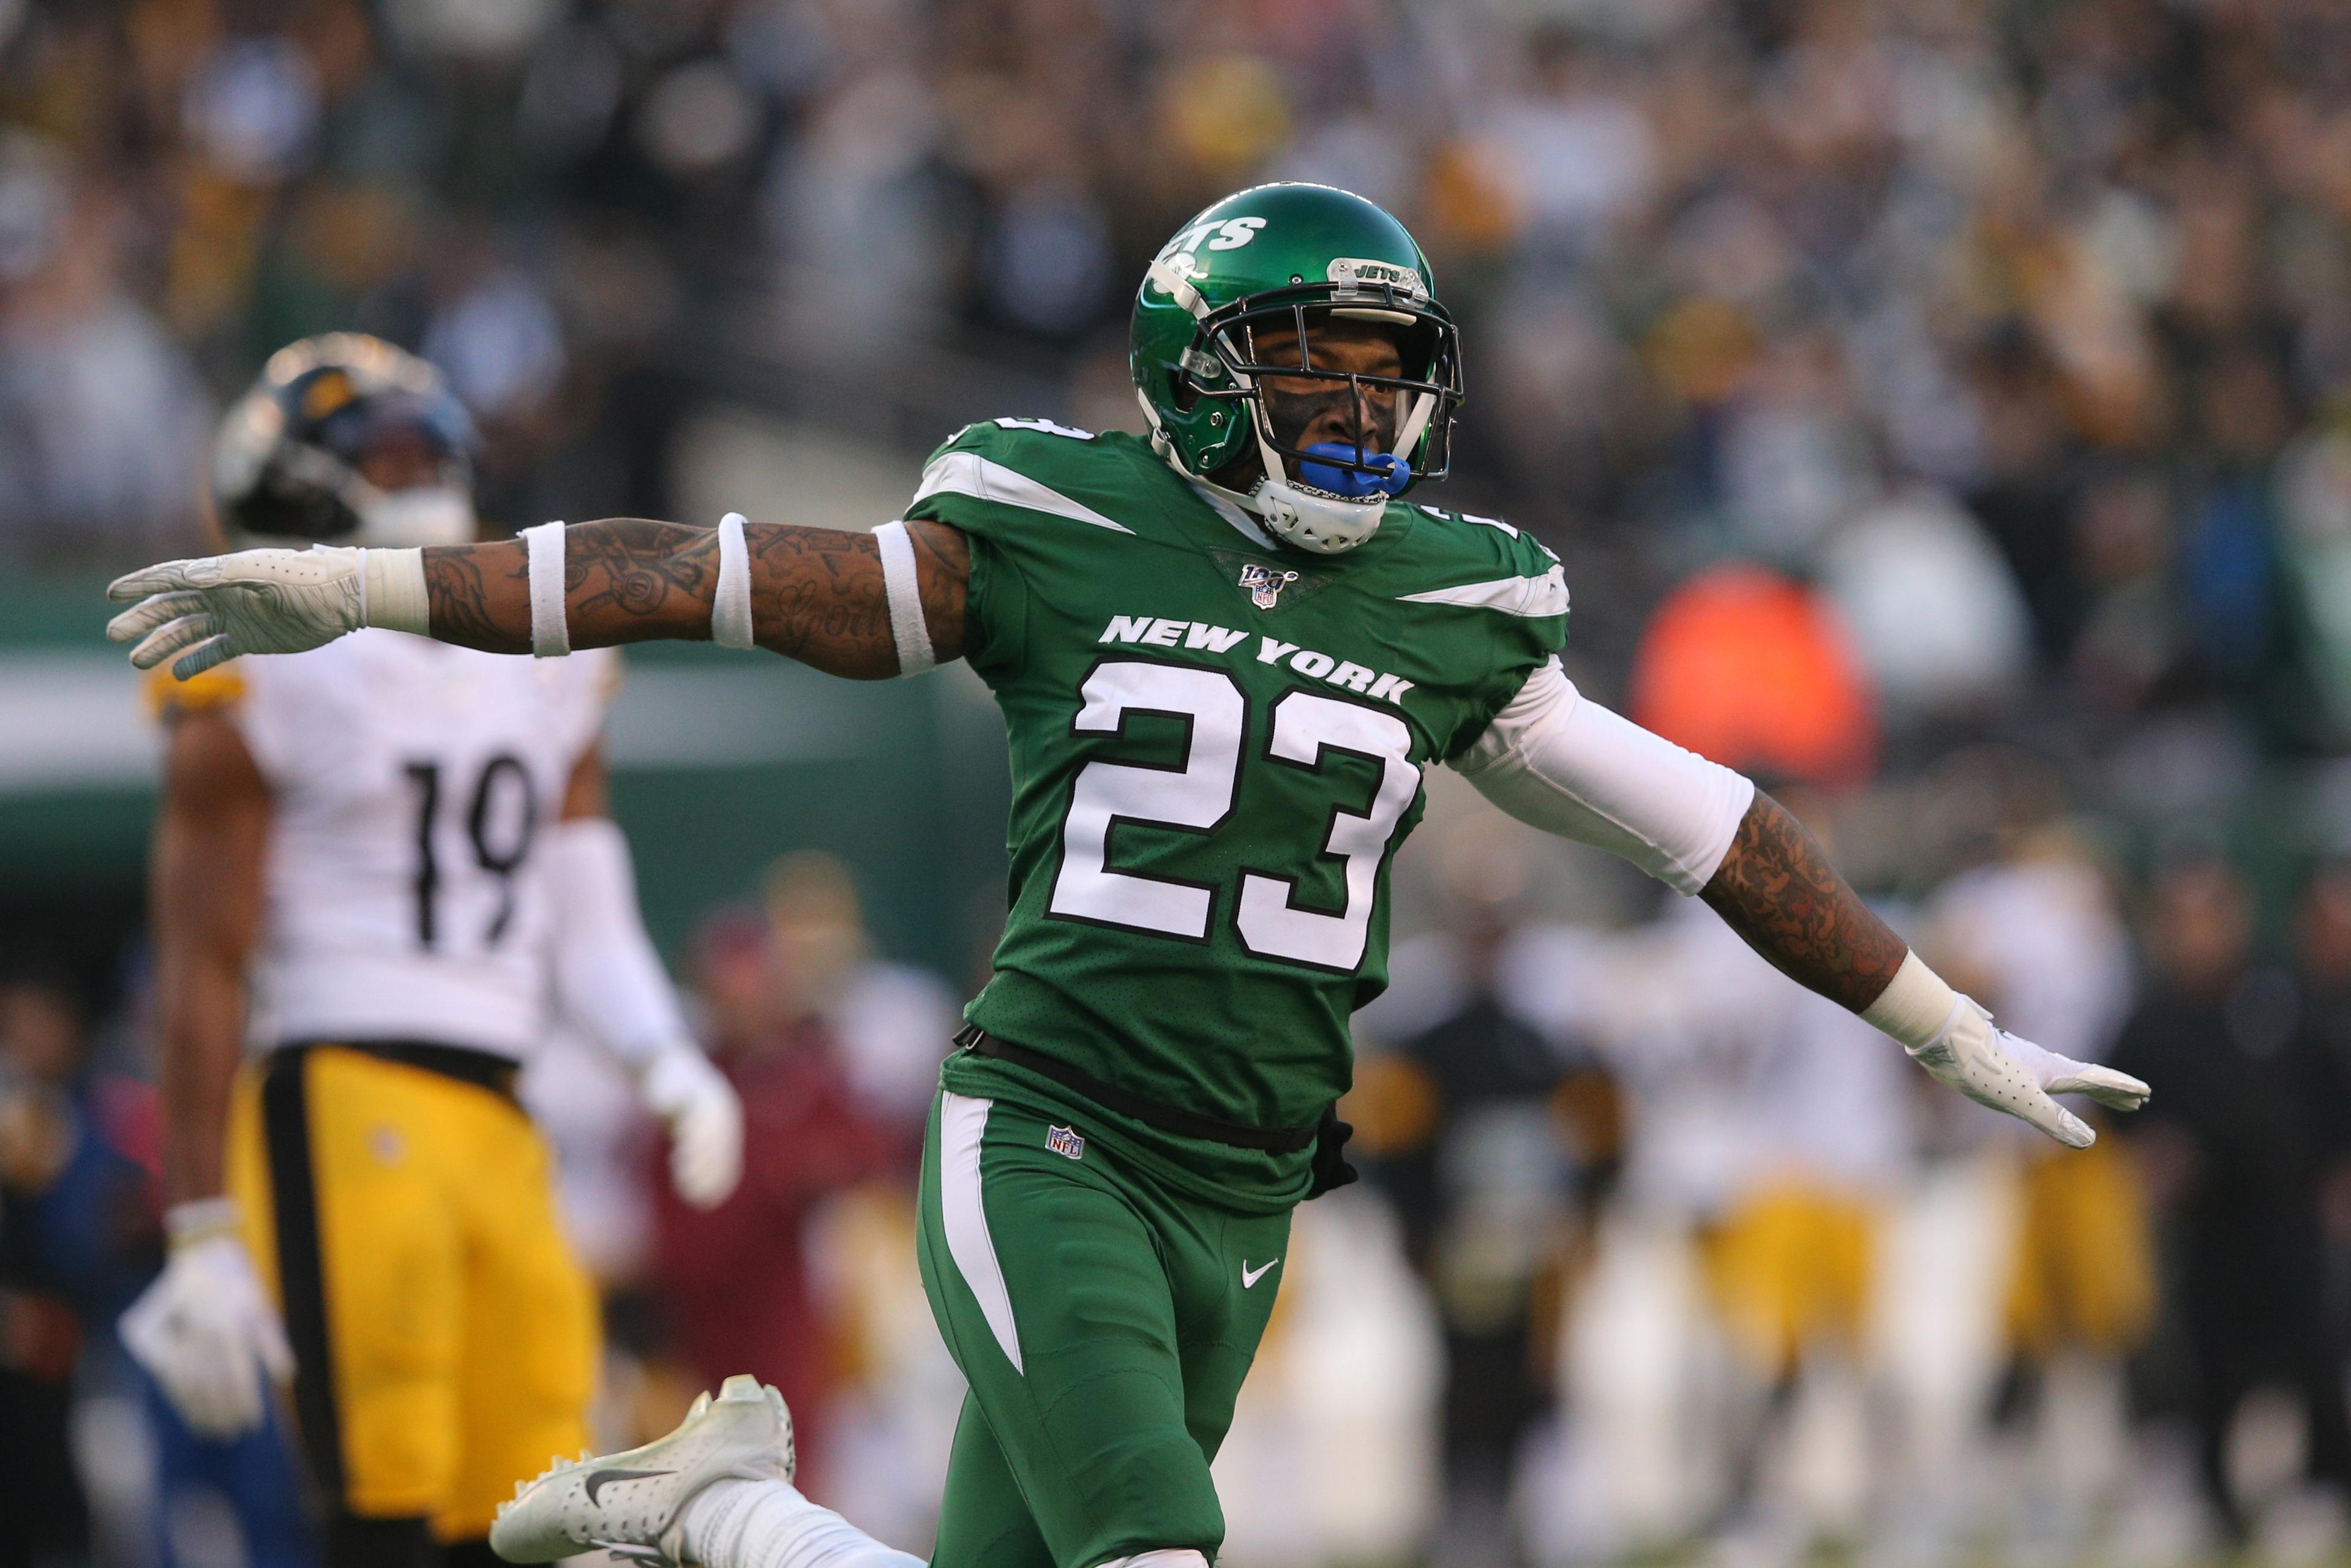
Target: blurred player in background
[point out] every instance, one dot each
(2233, 1169)
(77, 1241)
(377, 863)
(1204, 810)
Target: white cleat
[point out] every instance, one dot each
(630, 1501)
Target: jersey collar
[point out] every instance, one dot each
(1248, 526)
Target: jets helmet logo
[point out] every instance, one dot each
(1265, 583)
(1352, 273)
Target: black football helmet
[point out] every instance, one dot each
(293, 459)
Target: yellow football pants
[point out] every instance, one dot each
(444, 1337)
(2085, 1257)
(1791, 1266)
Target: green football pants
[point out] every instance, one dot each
(1104, 1325)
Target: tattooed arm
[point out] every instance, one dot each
(816, 594)
(1567, 765)
(1776, 888)
(1571, 768)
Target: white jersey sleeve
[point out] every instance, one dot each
(413, 787)
(1566, 765)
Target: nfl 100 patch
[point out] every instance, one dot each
(1265, 583)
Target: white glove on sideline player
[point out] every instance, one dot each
(204, 1329)
(705, 1120)
(203, 611)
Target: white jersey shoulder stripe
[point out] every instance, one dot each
(969, 473)
(1530, 596)
(1468, 517)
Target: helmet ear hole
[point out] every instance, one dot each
(1180, 389)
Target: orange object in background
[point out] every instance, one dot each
(1754, 670)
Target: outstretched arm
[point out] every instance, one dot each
(1575, 769)
(818, 595)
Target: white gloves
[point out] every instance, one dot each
(204, 1329)
(1956, 1041)
(213, 608)
(705, 1119)
(2008, 1072)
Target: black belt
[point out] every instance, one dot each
(1166, 1118)
(483, 1069)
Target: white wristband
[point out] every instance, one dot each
(201, 1219)
(730, 607)
(907, 628)
(391, 590)
(550, 632)
(1917, 1006)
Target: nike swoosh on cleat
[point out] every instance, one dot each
(1249, 1277)
(602, 1479)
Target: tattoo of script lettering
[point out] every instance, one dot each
(817, 594)
(1778, 891)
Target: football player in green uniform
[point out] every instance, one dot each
(1224, 653)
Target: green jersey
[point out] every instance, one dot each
(1217, 745)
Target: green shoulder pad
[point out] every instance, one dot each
(1472, 562)
(1045, 507)
(999, 478)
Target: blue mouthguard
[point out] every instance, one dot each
(1349, 482)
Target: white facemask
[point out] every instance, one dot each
(429, 515)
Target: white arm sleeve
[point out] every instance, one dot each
(607, 978)
(1569, 766)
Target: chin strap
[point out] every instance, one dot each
(1325, 524)
(1415, 420)
(1284, 508)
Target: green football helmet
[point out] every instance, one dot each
(1271, 263)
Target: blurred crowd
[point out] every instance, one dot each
(1943, 408)
(2019, 334)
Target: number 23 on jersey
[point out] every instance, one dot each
(1200, 793)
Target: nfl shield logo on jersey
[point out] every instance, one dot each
(1066, 1143)
(1265, 583)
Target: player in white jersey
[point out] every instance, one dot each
(381, 866)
